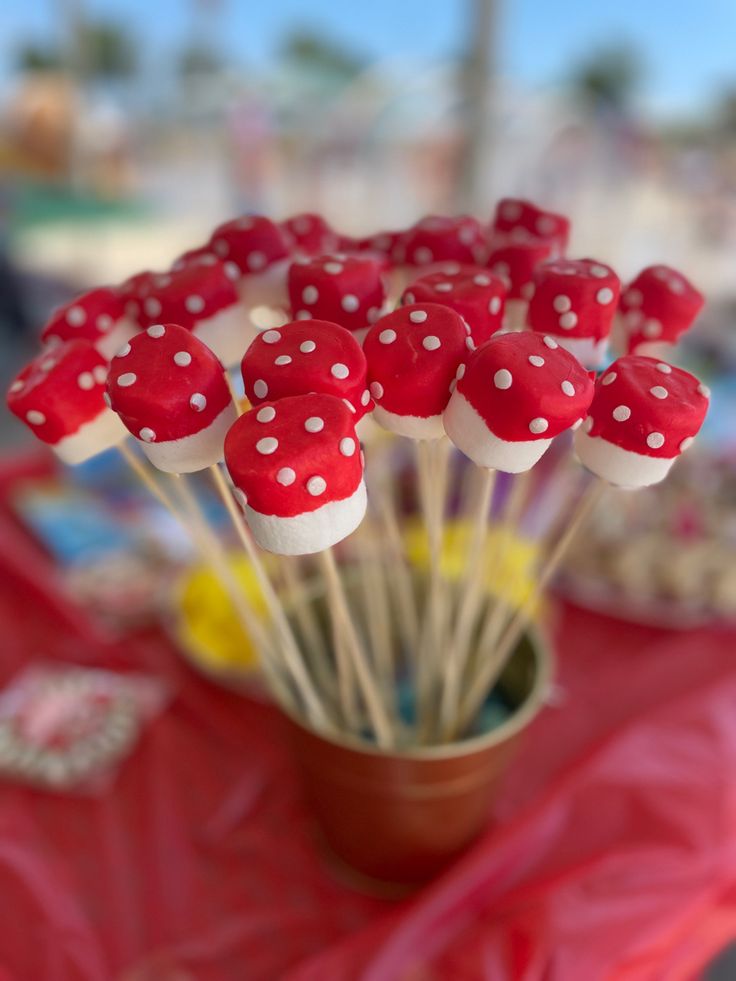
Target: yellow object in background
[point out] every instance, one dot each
(509, 561)
(207, 625)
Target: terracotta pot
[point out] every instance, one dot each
(397, 818)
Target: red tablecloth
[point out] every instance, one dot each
(611, 855)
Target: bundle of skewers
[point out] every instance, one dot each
(476, 347)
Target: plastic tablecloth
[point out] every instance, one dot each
(610, 854)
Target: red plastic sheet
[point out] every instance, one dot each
(611, 856)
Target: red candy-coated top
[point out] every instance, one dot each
(437, 238)
(516, 220)
(516, 264)
(647, 406)
(309, 234)
(660, 304)
(134, 290)
(60, 390)
(90, 316)
(385, 244)
(202, 255)
(295, 455)
(526, 386)
(347, 290)
(166, 384)
(189, 295)
(476, 294)
(253, 243)
(574, 298)
(413, 354)
(307, 356)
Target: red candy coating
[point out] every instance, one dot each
(413, 354)
(90, 316)
(526, 387)
(253, 243)
(438, 238)
(60, 390)
(476, 294)
(647, 406)
(188, 296)
(574, 298)
(309, 234)
(516, 264)
(166, 384)
(347, 290)
(295, 455)
(660, 304)
(307, 356)
(516, 220)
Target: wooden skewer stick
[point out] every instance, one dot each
(291, 653)
(233, 393)
(494, 665)
(341, 612)
(375, 604)
(399, 574)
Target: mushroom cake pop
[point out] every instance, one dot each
(97, 316)
(202, 298)
(657, 307)
(644, 414)
(348, 290)
(413, 356)
(574, 301)
(60, 397)
(307, 356)
(260, 250)
(516, 220)
(476, 294)
(297, 468)
(514, 395)
(170, 391)
(309, 234)
(439, 239)
(515, 265)
(134, 290)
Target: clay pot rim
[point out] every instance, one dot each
(520, 719)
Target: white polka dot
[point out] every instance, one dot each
(686, 443)
(104, 322)
(314, 424)
(350, 303)
(652, 328)
(470, 343)
(418, 316)
(460, 373)
(232, 271)
(538, 425)
(47, 365)
(546, 225)
(270, 337)
(562, 303)
(503, 378)
(604, 296)
(17, 386)
(267, 445)
(431, 343)
(152, 306)
(568, 388)
(621, 413)
(198, 402)
(551, 343)
(333, 268)
(194, 304)
(409, 298)
(600, 272)
(266, 414)
(76, 316)
(609, 378)
(536, 360)
(183, 359)
(568, 320)
(310, 294)
(127, 379)
(376, 389)
(286, 476)
(482, 280)
(664, 368)
(365, 397)
(100, 374)
(339, 370)
(659, 392)
(676, 285)
(443, 287)
(124, 351)
(704, 391)
(156, 330)
(260, 389)
(423, 255)
(86, 381)
(256, 260)
(35, 417)
(634, 297)
(373, 314)
(316, 486)
(347, 446)
(282, 359)
(494, 305)
(306, 347)
(655, 441)
(147, 435)
(349, 405)
(303, 315)
(387, 336)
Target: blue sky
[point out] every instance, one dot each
(689, 45)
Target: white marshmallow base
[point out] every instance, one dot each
(623, 468)
(101, 433)
(313, 531)
(191, 453)
(413, 427)
(228, 334)
(471, 435)
(266, 288)
(109, 344)
(592, 354)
